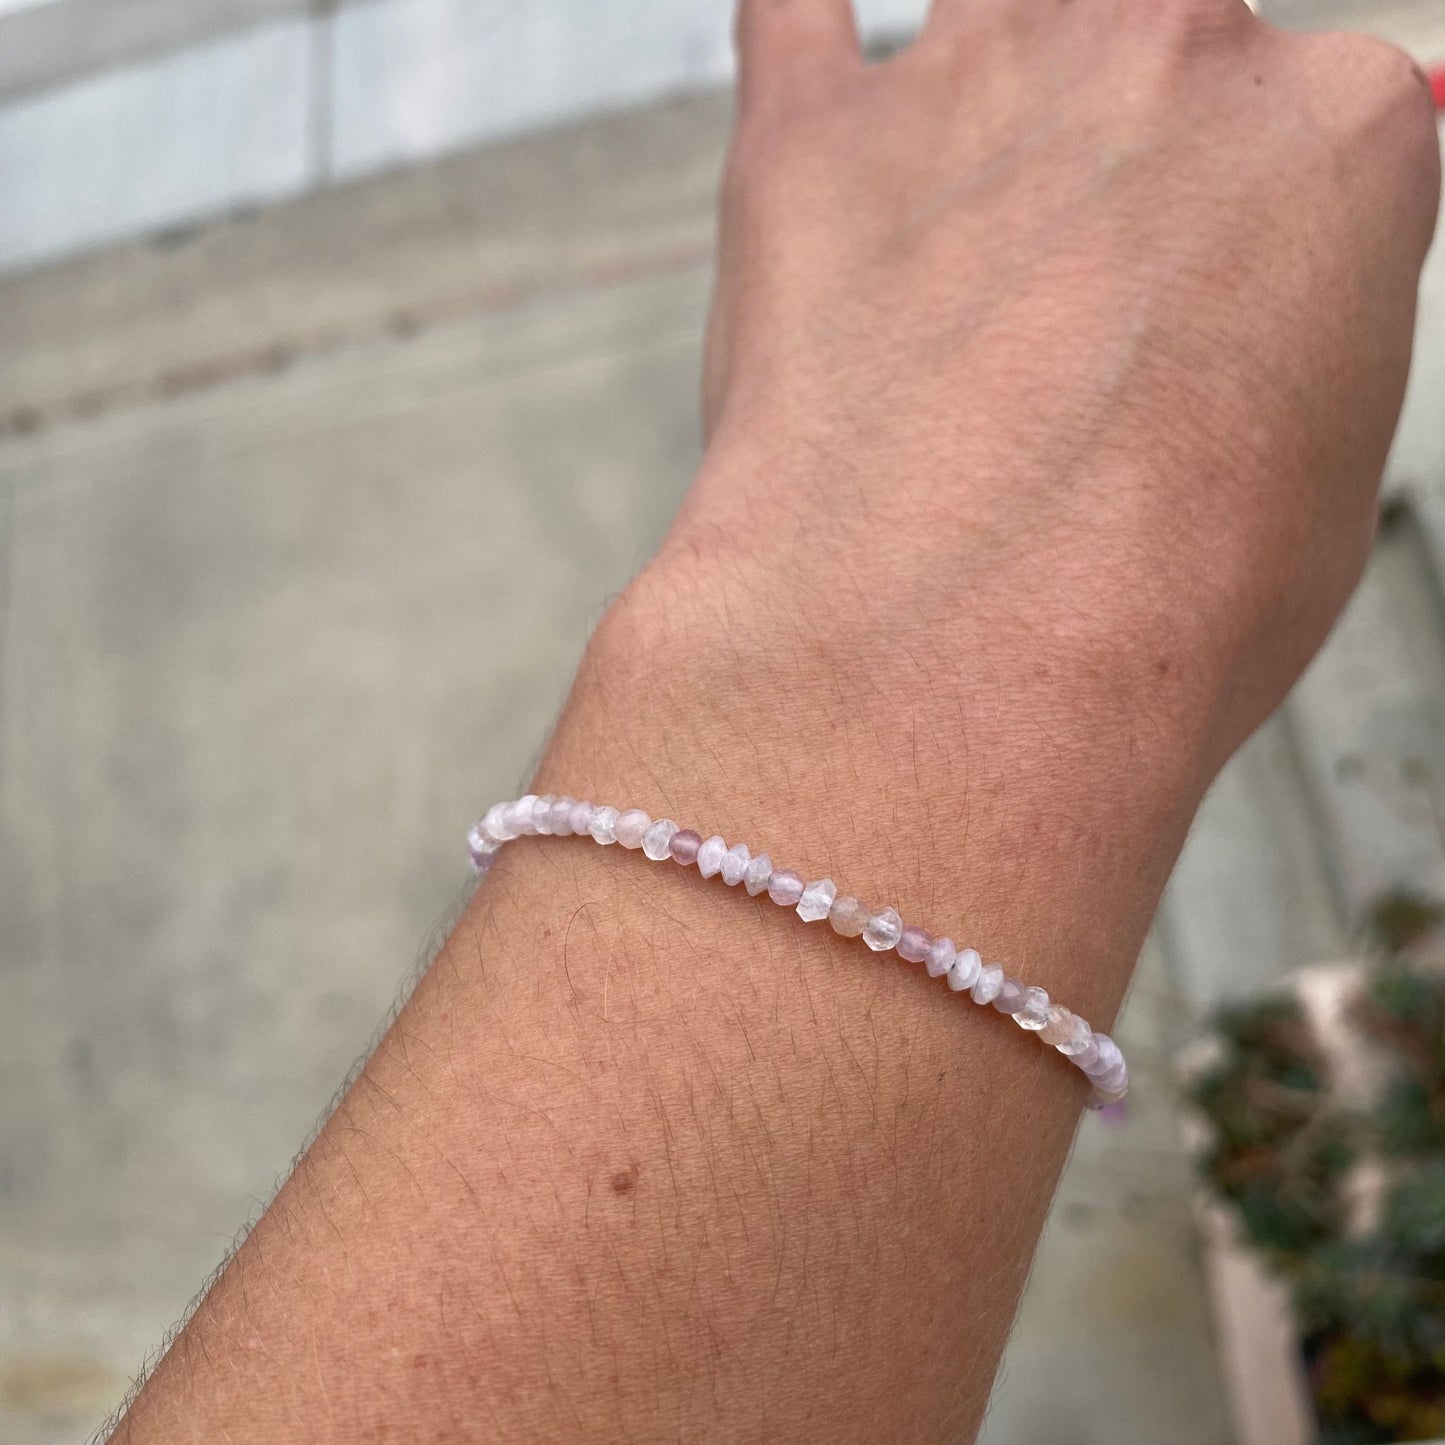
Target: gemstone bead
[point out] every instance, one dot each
(604, 824)
(496, 825)
(964, 973)
(630, 827)
(785, 888)
(684, 846)
(710, 856)
(657, 840)
(1067, 1032)
(883, 931)
(757, 874)
(1087, 1056)
(1033, 1013)
(817, 900)
(581, 818)
(559, 818)
(519, 814)
(848, 915)
(988, 983)
(913, 944)
(735, 863)
(941, 954)
(1010, 996)
(1108, 1056)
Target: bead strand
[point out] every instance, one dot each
(1094, 1054)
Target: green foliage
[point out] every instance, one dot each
(1371, 1303)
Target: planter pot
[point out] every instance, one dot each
(1261, 1353)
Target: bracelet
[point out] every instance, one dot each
(1095, 1054)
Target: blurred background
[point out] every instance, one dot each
(348, 360)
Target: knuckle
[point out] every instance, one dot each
(1365, 76)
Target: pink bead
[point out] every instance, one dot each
(630, 827)
(848, 915)
(684, 846)
(913, 944)
(785, 888)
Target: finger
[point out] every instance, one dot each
(781, 42)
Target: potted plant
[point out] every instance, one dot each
(1323, 1147)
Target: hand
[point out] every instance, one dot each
(1063, 348)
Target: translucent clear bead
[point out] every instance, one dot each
(785, 888)
(941, 954)
(710, 856)
(883, 931)
(604, 824)
(817, 899)
(657, 840)
(757, 874)
(630, 827)
(581, 818)
(1033, 1013)
(542, 814)
(966, 968)
(559, 820)
(848, 916)
(988, 983)
(735, 863)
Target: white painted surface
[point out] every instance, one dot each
(156, 145)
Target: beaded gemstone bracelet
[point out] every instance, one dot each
(1096, 1055)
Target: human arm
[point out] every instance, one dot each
(1047, 398)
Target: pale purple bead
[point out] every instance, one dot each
(684, 846)
(913, 944)
(481, 848)
(581, 818)
(519, 814)
(604, 824)
(1087, 1056)
(1010, 996)
(657, 840)
(964, 973)
(988, 983)
(482, 862)
(559, 819)
(542, 814)
(710, 856)
(785, 888)
(1108, 1056)
(735, 863)
(757, 874)
(884, 930)
(941, 954)
(630, 827)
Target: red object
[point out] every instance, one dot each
(1436, 75)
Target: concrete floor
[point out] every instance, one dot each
(265, 647)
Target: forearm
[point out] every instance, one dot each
(643, 1157)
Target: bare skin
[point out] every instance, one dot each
(1051, 371)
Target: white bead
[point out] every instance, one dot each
(940, 956)
(710, 856)
(883, 931)
(988, 983)
(963, 973)
(542, 814)
(658, 839)
(581, 818)
(519, 814)
(604, 824)
(559, 821)
(497, 825)
(630, 827)
(735, 863)
(757, 875)
(817, 900)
